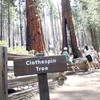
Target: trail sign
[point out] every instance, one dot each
(40, 65)
(37, 65)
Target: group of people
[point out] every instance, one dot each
(89, 54)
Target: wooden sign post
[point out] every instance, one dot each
(41, 66)
(43, 89)
(3, 74)
(43, 86)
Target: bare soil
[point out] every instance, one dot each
(81, 86)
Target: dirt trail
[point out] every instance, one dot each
(82, 86)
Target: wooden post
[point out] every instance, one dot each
(43, 86)
(3, 74)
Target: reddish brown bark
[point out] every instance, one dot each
(67, 17)
(34, 35)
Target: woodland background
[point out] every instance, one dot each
(49, 25)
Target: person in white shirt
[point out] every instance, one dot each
(88, 56)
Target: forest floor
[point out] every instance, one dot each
(80, 86)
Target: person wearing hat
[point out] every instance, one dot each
(66, 54)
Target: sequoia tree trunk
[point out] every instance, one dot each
(67, 21)
(34, 34)
(64, 25)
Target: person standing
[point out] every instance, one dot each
(88, 56)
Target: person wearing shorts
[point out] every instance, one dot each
(89, 58)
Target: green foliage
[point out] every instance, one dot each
(3, 43)
(87, 22)
(18, 50)
(88, 10)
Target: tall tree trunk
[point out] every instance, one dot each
(1, 21)
(9, 44)
(67, 19)
(94, 38)
(64, 32)
(13, 40)
(64, 25)
(34, 35)
(20, 14)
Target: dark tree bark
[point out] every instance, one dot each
(64, 24)
(67, 21)
(64, 32)
(34, 35)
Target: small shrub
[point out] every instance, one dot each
(3, 43)
(18, 50)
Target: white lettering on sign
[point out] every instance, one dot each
(38, 69)
(37, 62)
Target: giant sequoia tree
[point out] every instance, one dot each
(34, 35)
(68, 23)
